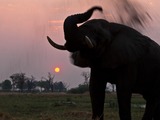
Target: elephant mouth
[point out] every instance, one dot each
(60, 47)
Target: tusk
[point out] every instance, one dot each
(55, 45)
(89, 42)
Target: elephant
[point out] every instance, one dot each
(117, 54)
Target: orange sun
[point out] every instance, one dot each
(57, 69)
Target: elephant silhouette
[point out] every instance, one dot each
(117, 54)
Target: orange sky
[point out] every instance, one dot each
(24, 25)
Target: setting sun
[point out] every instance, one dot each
(57, 69)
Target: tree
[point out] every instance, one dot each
(80, 89)
(18, 80)
(48, 82)
(30, 83)
(59, 87)
(86, 76)
(6, 85)
(42, 84)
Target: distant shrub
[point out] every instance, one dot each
(79, 90)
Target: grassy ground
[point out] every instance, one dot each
(59, 107)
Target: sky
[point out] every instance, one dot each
(25, 24)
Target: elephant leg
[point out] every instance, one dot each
(97, 94)
(148, 114)
(152, 111)
(156, 115)
(126, 77)
(124, 101)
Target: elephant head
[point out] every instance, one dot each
(76, 39)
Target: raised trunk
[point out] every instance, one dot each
(70, 23)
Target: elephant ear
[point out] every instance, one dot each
(126, 49)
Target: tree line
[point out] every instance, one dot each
(21, 83)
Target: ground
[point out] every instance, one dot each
(60, 106)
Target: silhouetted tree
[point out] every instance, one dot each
(6, 85)
(49, 82)
(86, 76)
(30, 83)
(79, 90)
(18, 80)
(59, 87)
(42, 84)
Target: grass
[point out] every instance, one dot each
(59, 107)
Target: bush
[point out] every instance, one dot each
(79, 90)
